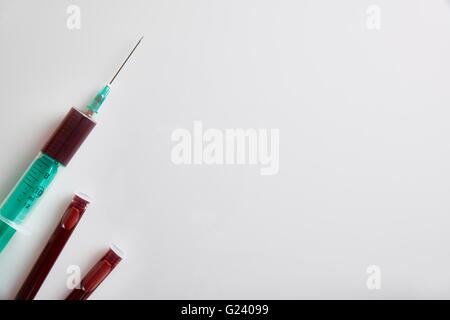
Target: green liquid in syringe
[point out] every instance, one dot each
(28, 190)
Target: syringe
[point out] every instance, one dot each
(55, 155)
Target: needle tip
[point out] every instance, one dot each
(115, 75)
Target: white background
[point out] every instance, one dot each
(364, 145)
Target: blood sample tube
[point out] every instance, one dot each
(55, 245)
(97, 274)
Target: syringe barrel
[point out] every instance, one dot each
(28, 190)
(55, 155)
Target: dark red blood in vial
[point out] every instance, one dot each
(71, 218)
(54, 246)
(95, 276)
